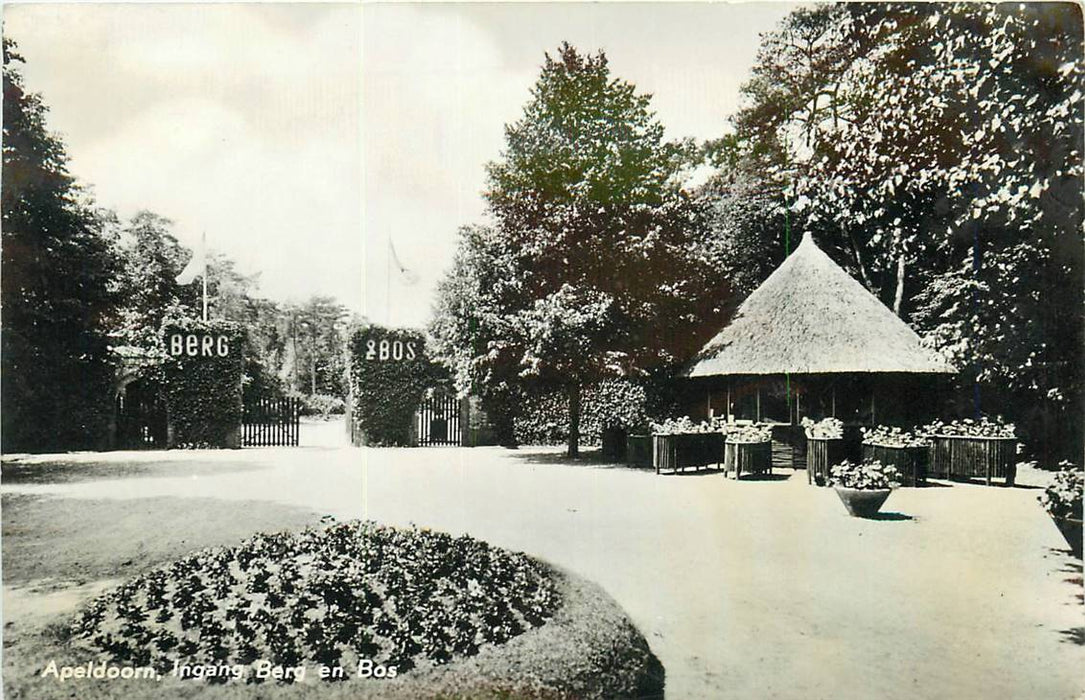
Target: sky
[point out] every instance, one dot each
(307, 140)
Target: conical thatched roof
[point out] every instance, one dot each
(811, 317)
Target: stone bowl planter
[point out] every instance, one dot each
(862, 503)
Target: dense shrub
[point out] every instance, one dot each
(259, 382)
(322, 405)
(389, 373)
(353, 591)
(1063, 497)
(544, 415)
(203, 393)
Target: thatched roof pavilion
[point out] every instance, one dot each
(810, 317)
(811, 321)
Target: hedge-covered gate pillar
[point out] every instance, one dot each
(389, 374)
(201, 378)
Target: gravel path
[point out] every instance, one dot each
(751, 589)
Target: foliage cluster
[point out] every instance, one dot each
(824, 429)
(55, 288)
(385, 393)
(748, 433)
(967, 427)
(289, 349)
(864, 475)
(935, 151)
(321, 405)
(595, 265)
(1062, 499)
(203, 394)
(683, 425)
(543, 418)
(355, 590)
(893, 436)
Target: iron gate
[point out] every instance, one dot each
(141, 417)
(438, 421)
(271, 423)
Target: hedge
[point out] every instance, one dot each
(389, 373)
(543, 418)
(202, 382)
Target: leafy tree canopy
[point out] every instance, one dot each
(936, 151)
(58, 261)
(595, 265)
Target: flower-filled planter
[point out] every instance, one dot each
(682, 444)
(1062, 501)
(907, 452)
(824, 448)
(687, 450)
(968, 449)
(748, 449)
(863, 488)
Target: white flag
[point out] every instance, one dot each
(409, 277)
(197, 266)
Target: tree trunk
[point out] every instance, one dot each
(859, 262)
(574, 421)
(898, 298)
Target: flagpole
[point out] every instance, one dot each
(388, 284)
(204, 276)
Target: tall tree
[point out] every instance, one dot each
(318, 343)
(602, 245)
(471, 329)
(947, 176)
(56, 296)
(150, 257)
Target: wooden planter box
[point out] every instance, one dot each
(821, 454)
(961, 457)
(748, 457)
(638, 450)
(911, 462)
(687, 450)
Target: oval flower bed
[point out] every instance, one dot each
(332, 597)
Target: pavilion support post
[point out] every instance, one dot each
(728, 407)
(758, 403)
(708, 405)
(834, 400)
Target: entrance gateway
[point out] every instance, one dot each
(438, 420)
